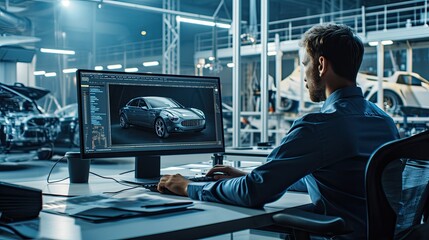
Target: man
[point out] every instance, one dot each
(327, 150)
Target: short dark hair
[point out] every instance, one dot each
(338, 44)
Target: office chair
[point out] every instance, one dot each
(397, 189)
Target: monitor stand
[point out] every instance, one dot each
(147, 170)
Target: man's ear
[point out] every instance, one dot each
(323, 65)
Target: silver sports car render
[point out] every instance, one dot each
(400, 89)
(164, 115)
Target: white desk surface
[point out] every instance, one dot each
(207, 220)
(213, 219)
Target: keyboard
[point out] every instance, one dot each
(153, 186)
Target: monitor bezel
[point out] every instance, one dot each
(217, 149)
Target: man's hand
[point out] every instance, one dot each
(175, 183)
(223, 171)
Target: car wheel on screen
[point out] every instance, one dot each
(123, 121)
(161, 128)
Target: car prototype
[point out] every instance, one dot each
(400, 89)
(164, 115)
(23, 125)
(69, 123)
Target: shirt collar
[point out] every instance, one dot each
(346, 92)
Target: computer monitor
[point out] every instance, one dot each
(145, 116)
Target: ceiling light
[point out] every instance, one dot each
(387, 42)
(150, 64)
(223, 25)
(98, 68)
(69, 70)
(65, 3)
(211, 58)
(57, 51)
(143, 33)
(131, 69)
(202, 22)
(38, 73)
(384, 42)
(114, 66)
(51, 74)
(230, 65)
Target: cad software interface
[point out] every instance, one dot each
(131, 112)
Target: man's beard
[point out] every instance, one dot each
(318, 89)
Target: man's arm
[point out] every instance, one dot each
(299, 154)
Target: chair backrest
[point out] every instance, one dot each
(396, 181)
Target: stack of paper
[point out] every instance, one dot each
(101, 208)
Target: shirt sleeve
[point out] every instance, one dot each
(299, 154)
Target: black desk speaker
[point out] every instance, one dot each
(19, 202)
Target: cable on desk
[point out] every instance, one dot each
(55, 181)
(120, 191)
(110, 178)
(100, 176)
(49, 175)
(122, 173)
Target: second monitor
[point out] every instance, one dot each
(148, 115)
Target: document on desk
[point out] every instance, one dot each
(101, 208)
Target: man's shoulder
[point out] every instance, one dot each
(311, 118)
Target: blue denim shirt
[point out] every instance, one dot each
(327, 150)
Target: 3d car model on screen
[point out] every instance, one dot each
(400, 89)
(164, 115)
(23, 125)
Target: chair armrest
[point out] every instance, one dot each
(311, 222)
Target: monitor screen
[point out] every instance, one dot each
(148, 115)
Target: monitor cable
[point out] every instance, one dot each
(50, 172)
(98, 175)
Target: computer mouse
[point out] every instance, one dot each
(167, 191)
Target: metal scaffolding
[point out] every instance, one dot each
(170, 39)
(236, 73)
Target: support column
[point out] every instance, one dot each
(236, 73)
(380, 73)
(264, 71)
(409, 57)
(279, 55)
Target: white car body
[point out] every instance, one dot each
(400, 89)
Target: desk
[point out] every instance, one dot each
(213, 219)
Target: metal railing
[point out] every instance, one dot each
(129, 52)
(362, 20)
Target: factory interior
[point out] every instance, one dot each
(73, 73)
